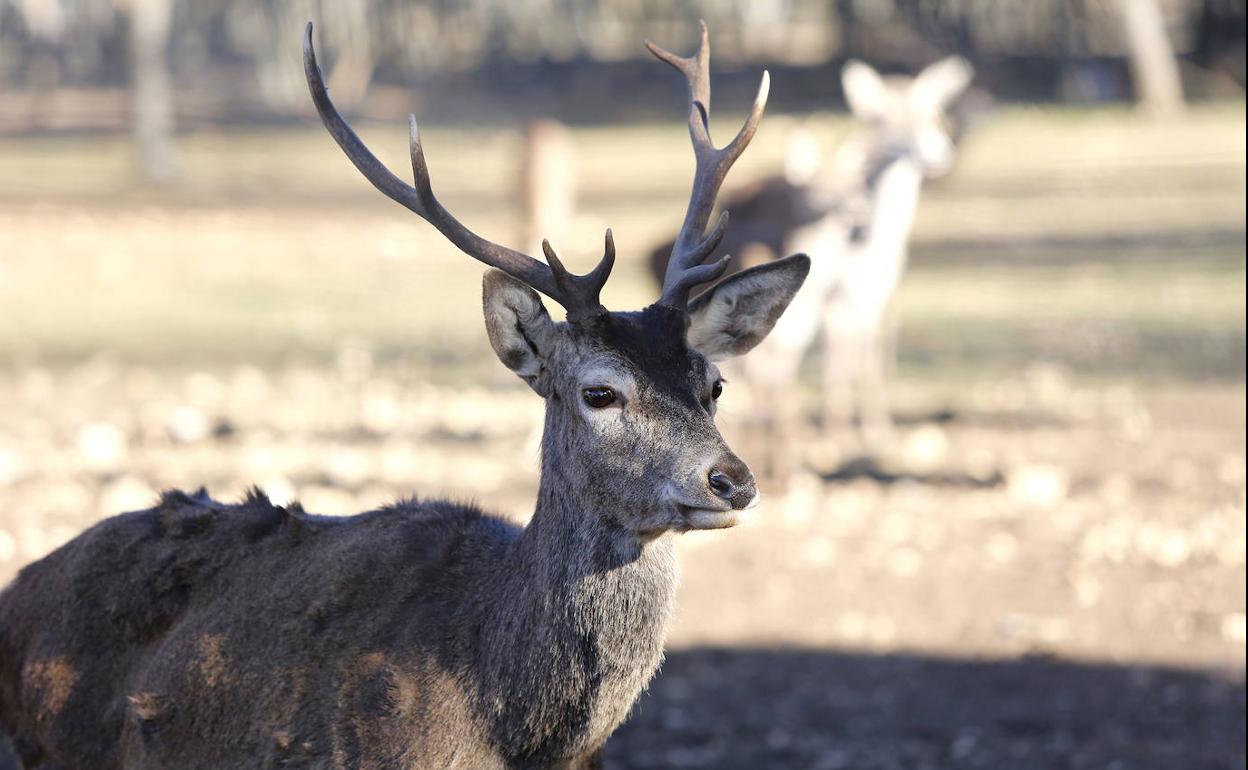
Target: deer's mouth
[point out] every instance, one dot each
(707, 518)
(698, 517)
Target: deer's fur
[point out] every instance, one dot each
(200, 634)
(853, 215)
(204, 635)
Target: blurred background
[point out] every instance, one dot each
(1046, 570)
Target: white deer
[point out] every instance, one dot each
(853, 215)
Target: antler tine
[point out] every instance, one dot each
(579, 294)
(685, 269)
(582, 290)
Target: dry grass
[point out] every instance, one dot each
(273, 247)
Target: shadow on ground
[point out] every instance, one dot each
(808, 710)
(872, 469)
(750, 709)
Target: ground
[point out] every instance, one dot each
(1053, 576)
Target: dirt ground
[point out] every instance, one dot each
(1072, 596)
(934, 626)
(1046, 571)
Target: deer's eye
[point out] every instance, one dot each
(717, 389)
(598, 398)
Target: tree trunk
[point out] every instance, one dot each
(1153, 64)
(151, 90)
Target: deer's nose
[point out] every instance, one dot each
(731, 480)
(721, 485)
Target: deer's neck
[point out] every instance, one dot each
(893, 181)
(577, 624)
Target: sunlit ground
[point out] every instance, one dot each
(1071, 382)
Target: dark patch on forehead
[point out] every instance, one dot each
(653, 340)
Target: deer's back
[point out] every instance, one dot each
(271, 631)
(763, 216)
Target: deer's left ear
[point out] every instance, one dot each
(865, 91)
(734, 315)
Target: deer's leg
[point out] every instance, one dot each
(892, 331)
(837, 387)
(875, 411)
(760, 428)
(784, 429)
(755, 420)
(786, 434)
(762, 425)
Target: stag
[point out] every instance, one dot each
(200, 634)
(854, 216)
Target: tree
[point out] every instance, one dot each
(1153, 64)
(152, 118)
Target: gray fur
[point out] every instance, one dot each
(742, 309)
(198, 634)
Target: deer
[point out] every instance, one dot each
(854, 217)
(202, 634)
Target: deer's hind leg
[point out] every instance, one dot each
(779, 425)
(836, 382)
(874, 408)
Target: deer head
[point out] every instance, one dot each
(909, 113)
(630, 396)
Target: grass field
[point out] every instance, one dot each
(1060, 583)
(1093, 240)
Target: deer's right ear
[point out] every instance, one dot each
(865, 90)
(520, 330)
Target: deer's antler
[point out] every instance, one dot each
(579, 294)
(685, 269)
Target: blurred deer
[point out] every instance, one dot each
(427, 634)
(909, 142)
(853, 216)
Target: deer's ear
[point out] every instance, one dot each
(520, 330)
(865, 90)
(736, 314)
(936, 87)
